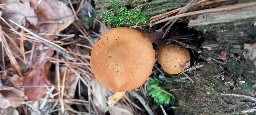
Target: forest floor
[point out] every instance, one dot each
(45, 58)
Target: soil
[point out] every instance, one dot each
(210, 81)
(220, 69)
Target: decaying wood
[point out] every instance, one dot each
(199, 3)
(224, 17)
(232, 26)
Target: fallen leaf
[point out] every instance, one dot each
(8, 1)
(10, 96)
(4, 103)
(120, 109)
(54, 16)
(12, 11)
(9, 111)
(100, 94)
(5, 77)
(34, 82)
(250, 52)
(16, 81)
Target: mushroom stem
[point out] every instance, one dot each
(112, 100)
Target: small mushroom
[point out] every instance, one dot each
(173, 58)
(122, 60)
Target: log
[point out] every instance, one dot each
(234, 26)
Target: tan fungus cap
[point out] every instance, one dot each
(173, 58)
(122, 59)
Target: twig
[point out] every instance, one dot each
(57, 75)
(193, 68)
(133, 104)
(80, 7)
(36, 5)
(187, 77)
(72, 7)
(88, 47)
(48, 94)
(40, 113)
(171, 22)
(209, 59)
(22, 50)
(166, 14)
(2, 54)
(163, 110)
(54, 105)
(251, 110)
(221, 9)
(142, 101)
(47, 42)
(241, 96)
(85, 34)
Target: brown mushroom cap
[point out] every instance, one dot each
(173, 58)
(122, 59)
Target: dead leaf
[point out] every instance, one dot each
(8, 1)
(100, 94)
(54, 15)
(16, 81)
(250, 52)
(4, 103)
(9, 111)
(9, 53)
(12, 11)
(71, 80)
(120, 109)
(10, 96)
(103, 28)
(34, 82)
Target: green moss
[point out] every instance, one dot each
(158, 94)
(121, 16)
(247, 85)
(233, 65)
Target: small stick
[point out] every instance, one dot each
(48, 94)
(166, 14)
(47, 42)
(187, 77)
(2, 54)
(251, 110)
(72, 7)
(79, 7)
(163, 110)
(193, 68)
(241, 96)
(33, 108)
(22, 50)
(36, 5)
(142, 101)
(172, 21)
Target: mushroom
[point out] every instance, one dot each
(173, 58)
(122, 59)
